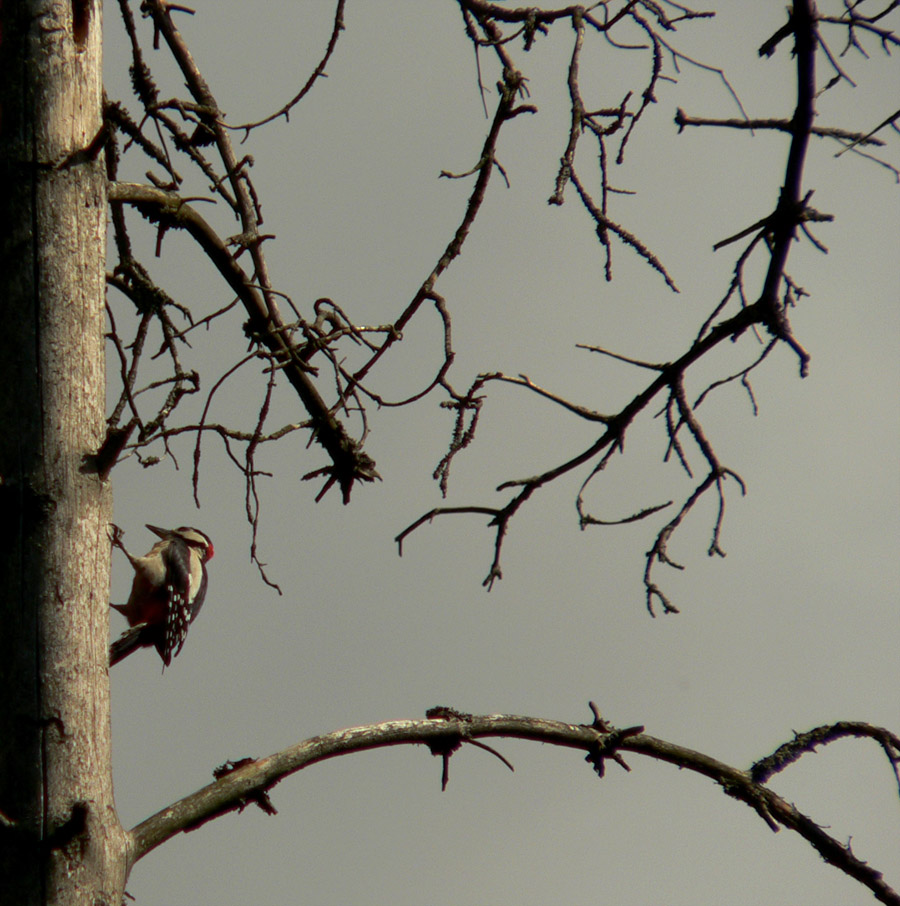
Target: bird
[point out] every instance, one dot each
(168, 591)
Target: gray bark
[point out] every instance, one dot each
(60, 838)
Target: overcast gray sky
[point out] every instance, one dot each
(797, 627)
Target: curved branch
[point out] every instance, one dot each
(524, 381)
(790, 752)
(510, 88)
(318, 72)
(253, 779)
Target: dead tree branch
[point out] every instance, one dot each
(349, 463)
(252, 780)
(765, 311)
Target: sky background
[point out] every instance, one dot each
(797, 627)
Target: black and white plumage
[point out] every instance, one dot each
(168, 591)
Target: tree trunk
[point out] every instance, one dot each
(60, 838)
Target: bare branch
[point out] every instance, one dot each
(248, 780)
(610, 440)
(441, 511)
(318, 73)
(605, 225)
(790, 752)
(512, 84)
(349, 462)
(524, 381)
(682, 119)
(775, 232)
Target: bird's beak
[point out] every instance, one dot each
(163, 533)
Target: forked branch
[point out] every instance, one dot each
(764, 311)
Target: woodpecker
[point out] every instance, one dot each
(167, 593)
